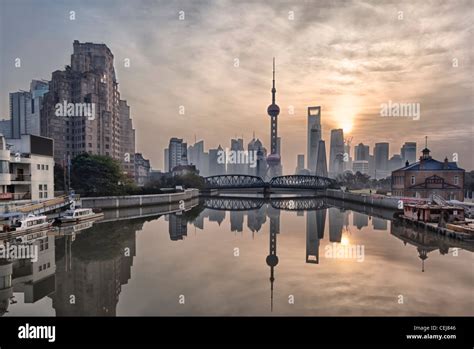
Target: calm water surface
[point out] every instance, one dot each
(330, 261)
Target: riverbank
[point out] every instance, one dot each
(365, 199)
(113, 202)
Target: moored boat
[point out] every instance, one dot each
(79, 215)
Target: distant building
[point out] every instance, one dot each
(166, 161)
(408, 152)
(142, 170)
(361, 166)
(183, 170)
(381, 160)
(177, 153)
(299, 164)
(361, 152)
(428, 176)
(395, 162)
(217, 161)
(6, 127)
(235, 167)
(314, 135)
(198, 157)
(336, 153)
(26, 168)
(321, 163)
(127, 140)
(25, 110)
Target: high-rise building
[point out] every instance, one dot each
(361, 166)
(127, 141)
(361, 152)
(217, 161)
(336, 153)
(82, 111)
(25, 107)
(199, 158)
(235, 164)
(299, 164)
(177, 153)
(142, 169)
(408, 153)
(166, 160)
(381, 160)
(314, 135)
(255, 152)
(347, 156)
(321, 164)
(395, 162)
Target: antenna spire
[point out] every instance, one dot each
(273, 88)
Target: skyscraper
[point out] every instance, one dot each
(177, 153)
(299, 164)
(25, 107)
(127, 140)
(381, 160)
(361, 152)
(321, 164)
(216, 161)
(89, 89)
(336, 153)
(313, 137)
(408, 152)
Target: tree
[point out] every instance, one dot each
(97, 175)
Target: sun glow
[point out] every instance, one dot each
(345, 112)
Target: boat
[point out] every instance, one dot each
(79, 215)
(30, 223)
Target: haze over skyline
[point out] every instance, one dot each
(349, 57)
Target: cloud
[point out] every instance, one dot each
(331, 50)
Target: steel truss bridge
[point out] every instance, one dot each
(292, 182)
(229, 203)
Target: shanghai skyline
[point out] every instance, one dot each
(214, 65)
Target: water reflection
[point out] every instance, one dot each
(82, 270)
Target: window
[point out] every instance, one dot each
(456, 180)
(42, 167)
(412, 180)
(47, 167)
(38, 167)
(4, 166)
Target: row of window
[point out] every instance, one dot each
(43, 191)
(399, 180)
(44, 266)
(42, 167)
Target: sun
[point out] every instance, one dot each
(345, 112)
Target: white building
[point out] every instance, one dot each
(26, 168)
(361, 166)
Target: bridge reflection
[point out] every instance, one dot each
(229, 203)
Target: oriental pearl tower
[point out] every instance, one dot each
(274, 159)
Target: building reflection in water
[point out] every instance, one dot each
(315, 224)
(91, 269)
(426, 242)
(83, 273)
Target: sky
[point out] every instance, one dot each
(349, 57)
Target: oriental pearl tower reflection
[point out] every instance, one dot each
(272, 258)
